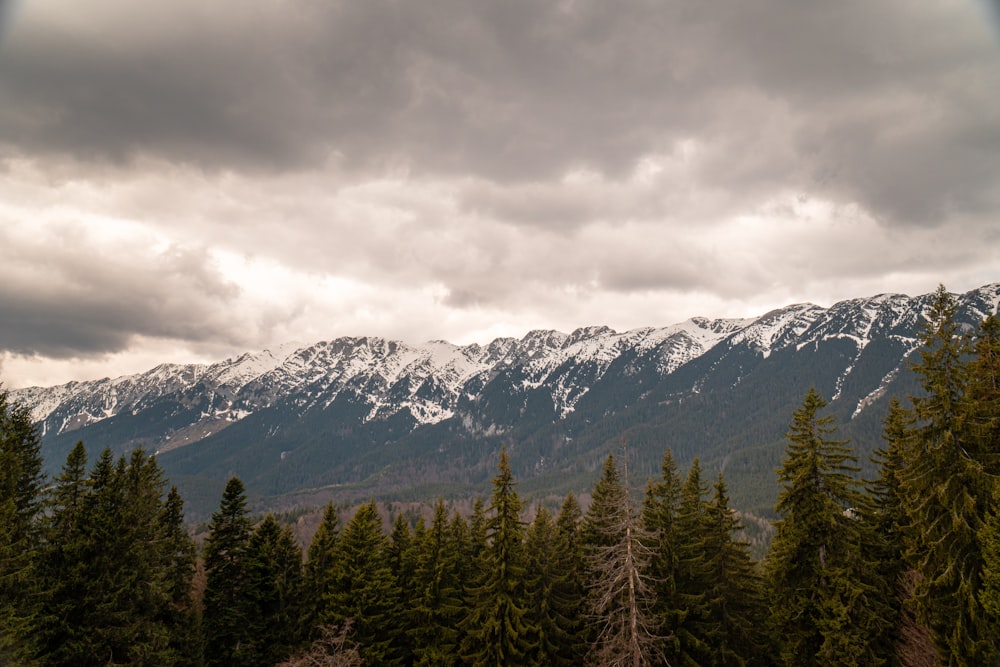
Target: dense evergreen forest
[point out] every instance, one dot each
(97, 567)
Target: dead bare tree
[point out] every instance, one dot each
(334, 648)
(620, 591)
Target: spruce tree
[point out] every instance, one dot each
(949, 492)
(437, 584)
(227, 609)
(733, 593)
(660, 510)
(179, 612)
(21, 482)
(318, 575)
(274, 570)
(819, 602)
(571, 546)
(465, 564)
(691, 576)
(62, 562)
(105, 566)
(983, 398)
(402, 557)
(552, 597)
(883, 514)
(497, 630)
(364, 590)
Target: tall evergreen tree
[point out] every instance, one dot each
(819, 603)
(439, 606)
(274, 571)
(948, 493)
(983, 398)
(552, 596)
(364, 590)
(21, 481)
(402, 556)
(734, 602)
(691, 576)
(318, 575)
(105, 566)
(466, 558)
(61, 566)
(227, 607)
(660, 510)
(497, 631)
(883, 515)
(571, 546)
(180, 613)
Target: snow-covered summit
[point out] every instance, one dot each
(430, 381)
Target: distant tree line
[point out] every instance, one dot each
(97, 567)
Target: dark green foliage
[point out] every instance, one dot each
(62, 565)
(364, 589)
(733, 595)
(498, 633)
(319, 573)
(21, 481)
(110, 567)
(948, 488)
(691, 577)
(180, 612)
(227, 602)
(571, 546)
(402, 555)
(554, 598)
(274, 574)
(819, 603)
(990, 594)
(437, 585)
(883, 515)
(660, 509)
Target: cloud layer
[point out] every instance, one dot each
(208, 177)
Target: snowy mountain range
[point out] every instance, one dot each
(376, 416)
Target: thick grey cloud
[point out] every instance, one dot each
(67, 297)
(889, 104)
(440, 167)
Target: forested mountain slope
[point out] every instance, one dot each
(361, 417)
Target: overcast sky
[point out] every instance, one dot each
(186, 180)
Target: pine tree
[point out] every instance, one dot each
(691, 576)
(571, 547)
(989, 595)
(402, 557)
(318, 575)
(819, 603)
(439, 606)
(227, 610)
(733, 594)
(465, 556)
(274, 570)
(553, 601)
(620, 594)
(61, 564)
(104, 566)
(21, 482)
(497, 631)
(949, 492)
(364, 590)
(660, 510)
(180, 613)
(983, 398)
(883, 515)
